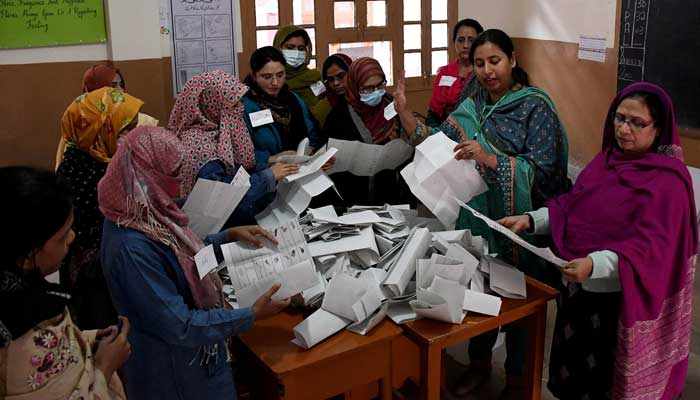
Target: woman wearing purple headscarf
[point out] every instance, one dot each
(629, 228)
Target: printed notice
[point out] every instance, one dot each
(202, 39)
(591, 49)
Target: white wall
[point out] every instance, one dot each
(560, 20)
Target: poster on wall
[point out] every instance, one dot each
(39, 23)
(201, 38)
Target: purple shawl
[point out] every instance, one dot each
(642, 208)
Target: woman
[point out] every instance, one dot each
(629, 228)
(43, 354)
(513, 132)
(335, 71)
(97, 77)
(208, 119)
(92, 126)
(179, 327)
(451, 78)
(362, 119)
(291, 120)
(296, 46)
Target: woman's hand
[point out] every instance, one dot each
(249, 234)
(113, 350)
(273, 159)
(400, 103)
(265, 307)
(329, 164)
(516, 223)
(577, 270)
(280, 170)
(472, 150)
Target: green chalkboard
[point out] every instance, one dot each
(32, 23)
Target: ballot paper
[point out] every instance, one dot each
(482, 303)
(506, 280)
(327, 214)
(444, 267)
(352, 298)
(364, 246)
(404, 266)
(317, 327)
(545, 253)
(332, 264)
(478, 282)
(314, 293)
(435, 177)
(457, 252)
(311, 166)
(254, 270)
(301, 156)
(443, 301)
(205, 260)
(364, 159)
(401, 312)
(211, 203)
(365, 326)
(292, 199)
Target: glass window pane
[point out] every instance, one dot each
(376, 13)
(265, 37)
(411, 37)
(344, 14)
(303, 11)
(412, 65)
(381, 51)
(438, 60)
(266, 13)
(411, 10)
(439, 10)
(439, 35)
(312, 36)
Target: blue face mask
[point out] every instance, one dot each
(294, 58)
(372, 99)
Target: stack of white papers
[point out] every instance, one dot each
(442, 301)
(254, 270)
(362, 247)
(404, 266)
(293, 198)
(436, 178)
(211, 203)
(364, 159)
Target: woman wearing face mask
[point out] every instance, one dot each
(453, 77)
(97, 77)
(296, 46)
(513, 132)
(208, 119)
(335, 70)
(362, 119)
(43, 354)
(286, 120)
(178, 321)
(92, 126)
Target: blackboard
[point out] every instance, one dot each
(660, 43)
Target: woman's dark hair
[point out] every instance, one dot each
(264, 55)
(332, 60)
(36, 204)
(469, 23)
(503, 41)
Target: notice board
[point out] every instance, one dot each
(34, 23)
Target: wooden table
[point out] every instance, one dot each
(433, 336)
(337, 365)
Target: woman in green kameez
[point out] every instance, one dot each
(297, 47)
(513, 132)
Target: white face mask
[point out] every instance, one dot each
(294, 58)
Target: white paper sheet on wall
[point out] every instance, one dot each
(592, 48)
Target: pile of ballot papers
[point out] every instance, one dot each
(369, 264)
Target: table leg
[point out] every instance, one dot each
(431, 365)
(385, 388)
(536, 324)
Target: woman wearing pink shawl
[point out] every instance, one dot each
(629, 228)
(179, 324)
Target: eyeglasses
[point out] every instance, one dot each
(372, 88)
(338, 77)
(635, 124)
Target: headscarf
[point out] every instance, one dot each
(286, 112)
(94, 121)
(299, 79)
(138, 192)
(373, 117)
(208, 119)
(641, 207)
(99, 76)
(341, 60)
